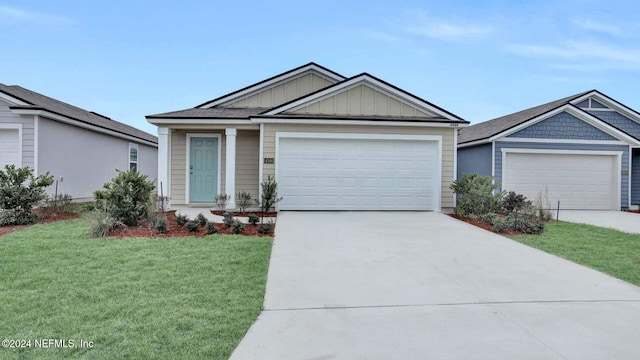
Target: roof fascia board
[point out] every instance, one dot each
(606, 100)
(474, 143)
(269, 82)
(70, 121)
(157, 121)
(360, 79)
(577, 112)
(316, 121)
(12, 99)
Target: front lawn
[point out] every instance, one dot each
(610, 251)
(136, 298)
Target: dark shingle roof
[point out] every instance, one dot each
(197, 113)
(487, 129)
(41, 102)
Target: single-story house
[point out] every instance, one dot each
(582, 151)
(80, 147)
(330, 142)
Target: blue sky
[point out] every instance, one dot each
(479, 60)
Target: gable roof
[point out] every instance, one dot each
(217, 112)
(272, 80)
(489, 128)
(35, 101)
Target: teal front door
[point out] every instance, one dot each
(203, 169)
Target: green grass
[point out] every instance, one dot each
(173, 298)
(610, 251)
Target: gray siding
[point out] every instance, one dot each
(6, 116)
(475, 159)
(562, 126)
(619, 121)
(86, 159)
(624, 186)
(635, 177)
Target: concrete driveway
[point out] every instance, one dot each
(619, 220)
(418, 285)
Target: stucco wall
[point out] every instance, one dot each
(86, 159)
(474, 159)
(7, 117)
(447, 134)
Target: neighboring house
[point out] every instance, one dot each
(582, 151)
(330, 142)
(81, 147)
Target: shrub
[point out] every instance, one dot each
(221, 201)
(228, 219)
(162, 203)
(181, 219)
(515, 202)
(489, 218)
(525, 223)
(237, 227)
(201, 219)
(269, 197)
(57, 203)
(192, 226)
(161, 225)
(210, 228)
(102, 223)
(476, 195)
(20, 191)
(243, 200)
(265, 228)
(253, 219)
(500, 224)
(127, 197)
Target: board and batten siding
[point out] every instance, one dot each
(179, 163)
(7, 117)
(283, 92)
(624, 167)
(361, 100)
(448, 146)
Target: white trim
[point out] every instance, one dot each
(608, 102)
(187, 199)
(474, 143)
(13, 99)
(288, 75)
(83, 125)
(163, 159)
(455, 164)
(617, 154)
(493, 159)
(261, 163)
(36, 126)
(137, 162)
(562, 141)
(207, 121)
(347, 121)
(15, 126)
(578, 113)
(312, 135)
(230, 166)
(356, 81)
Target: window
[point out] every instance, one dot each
(133, 157)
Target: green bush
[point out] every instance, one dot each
(237, 227)
(57, 203)
(102, 223)
(526, 223)
(228, 219)
(127, 197)
(243, 200)
(210, 228)
(20, 191)
(265, 228)
(476, 195)
(515, 202)
(500, 224)
(181, 219)
(192, 226)
(161, 225)
(201, 219)
(489, 218)
(253, 219)
(269, 197)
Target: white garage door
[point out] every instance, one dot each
(358, 174)
(585, 182)
(9, 147)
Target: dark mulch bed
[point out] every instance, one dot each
(481, 224)
(46, 218)
(246, 213)
(174, 230)
(633, 211)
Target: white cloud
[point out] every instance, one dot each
(598, 27)
(449, 31)
(20, 15)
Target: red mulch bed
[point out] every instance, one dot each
(633, 211)
(46, 218)
(245, 214)
(481, 224)
(173, 230)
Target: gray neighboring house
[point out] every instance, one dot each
(582, 150)
(81, 147)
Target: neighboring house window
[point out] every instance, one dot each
(133, 157)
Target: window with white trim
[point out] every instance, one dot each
(133, 157)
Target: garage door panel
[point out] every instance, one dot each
(362, 174)
(578, 181)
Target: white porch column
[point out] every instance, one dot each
(230, 177)
(163, 160)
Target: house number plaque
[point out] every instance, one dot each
(269, 160)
